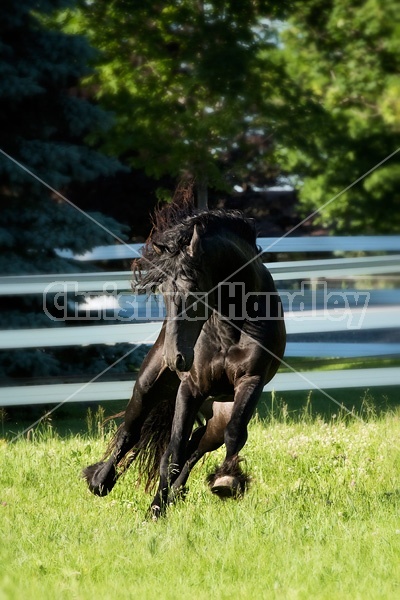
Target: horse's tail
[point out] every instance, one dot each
(154, 438)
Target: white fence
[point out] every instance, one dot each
(360, 243)
(382, 312)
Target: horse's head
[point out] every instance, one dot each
(185, 289)
(187, 255)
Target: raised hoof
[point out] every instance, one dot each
(226, 486)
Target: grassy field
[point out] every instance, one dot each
(321, 519)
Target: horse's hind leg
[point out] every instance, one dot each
(102, 476)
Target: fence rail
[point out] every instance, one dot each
(382, 312)
(360, 243)
(121, 280)
(122, 390)
(304, 322)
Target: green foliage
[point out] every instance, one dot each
(255, 89)
(345, 58)
(187, 81)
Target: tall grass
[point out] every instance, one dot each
(321, 518)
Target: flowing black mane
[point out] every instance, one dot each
(173, 227)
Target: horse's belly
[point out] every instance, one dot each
(220, 386)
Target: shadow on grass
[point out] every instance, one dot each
(73, 418)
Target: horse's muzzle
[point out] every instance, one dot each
(180, 362)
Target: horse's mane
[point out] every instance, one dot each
(173, 226)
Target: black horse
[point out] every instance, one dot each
(221, 342)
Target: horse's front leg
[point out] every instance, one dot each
(205, 439)
(102, 476)
(229, 479)
(173, 460)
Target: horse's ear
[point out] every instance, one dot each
(194, 247)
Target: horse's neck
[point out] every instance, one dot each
(223, 332)
(244, 285)
(236, 262)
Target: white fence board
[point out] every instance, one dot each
(122, 390)
(135, 333)
(117, 281)
(358, 319)
(146, 333)
(389, 243)
(358, 243)
(340, 349)
(374, 317)
(335, 267)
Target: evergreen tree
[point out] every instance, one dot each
(43, 125)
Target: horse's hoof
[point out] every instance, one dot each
(155, 512)
(100, 478)
(226, 486)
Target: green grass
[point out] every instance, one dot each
(72, 418)
(321, 519)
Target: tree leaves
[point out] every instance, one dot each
(184, 79)
(345, 56)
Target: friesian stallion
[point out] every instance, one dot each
(222, 340)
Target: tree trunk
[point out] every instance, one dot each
(202, 194)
